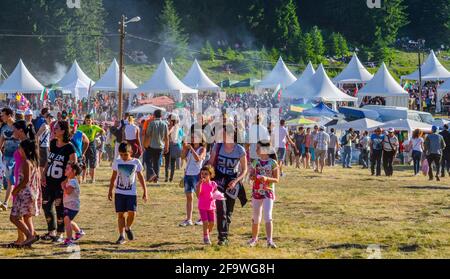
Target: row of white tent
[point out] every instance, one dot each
(77, 83)
(317, 85)
(311, 85)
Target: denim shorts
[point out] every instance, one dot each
(9, 169)
(281, 153)
(190, 183)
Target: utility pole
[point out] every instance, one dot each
(98, 59)
(121, 66)
(420, 83)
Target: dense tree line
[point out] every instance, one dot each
(300, 30)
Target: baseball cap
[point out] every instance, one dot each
(28, 112)
(322, 128)
(434, 129)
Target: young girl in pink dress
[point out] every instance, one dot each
(207, 194)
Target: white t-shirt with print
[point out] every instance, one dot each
(72, 201)
(126, 176)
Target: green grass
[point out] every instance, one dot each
(334, 215)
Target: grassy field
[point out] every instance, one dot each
(334, 215)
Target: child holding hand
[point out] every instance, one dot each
(207, 194)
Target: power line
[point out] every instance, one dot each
(57, 35)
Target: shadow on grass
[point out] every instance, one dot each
(409, 248)
(136, 250)
(350, 246)
(427, 187)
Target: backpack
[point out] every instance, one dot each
(344, 140)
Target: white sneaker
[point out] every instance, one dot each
(3, 206)
(199, 222)
(252, 242)
(271, 244)
(186, 223)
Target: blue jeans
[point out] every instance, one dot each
(417, 155)
(347, 158)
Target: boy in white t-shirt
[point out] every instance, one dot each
(123, 183)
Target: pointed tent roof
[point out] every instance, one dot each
(21, 80)
(321, 87)
(280, 75)
(164, 81)
(75, 73)
(432, 69)
(382, 85)
(320, 110)
(110, 80)
(363, 124)
(197, 79)
(294, 90)
(355, 72)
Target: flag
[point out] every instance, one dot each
(356, 91)
(407, 86)
(44, 94)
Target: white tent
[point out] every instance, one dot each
(110, 80)
(355, 72)
(439, 122)
(165, 81)
(146, 109)
(442, 90)
(76, 82)
(405, 125)
(21, 80)
(432, 70)
(384, 85)
(280, 76)
(321, 88)
(363, 124)
(301, 84)
(197, 79)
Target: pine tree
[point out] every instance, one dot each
(334, 48)
(343, 46)
(208, 51)
(319, 48)
(287, 31)
(389, 19)
(307, 47)
(172, 32)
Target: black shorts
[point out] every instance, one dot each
(70, 213)
(91, 156)
(306, 149)
(43, 156)
(125, 203)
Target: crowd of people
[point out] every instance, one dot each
(45, 159)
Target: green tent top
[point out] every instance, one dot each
(300, 121)
(250, 82)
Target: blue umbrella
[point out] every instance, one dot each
(320, 110)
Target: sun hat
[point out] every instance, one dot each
(28, 112)
(391, 130)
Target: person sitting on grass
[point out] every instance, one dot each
(123, 183)
(265, 174)
(206, 202)
(71, 201)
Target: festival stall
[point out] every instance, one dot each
(76, 82)
(109, 82)
(294, 91)
(197, 79)
(364, 124)
(280, 76)
(21, 80)
(354, 73)
(384, 85)
(164, 81)
(320, 110)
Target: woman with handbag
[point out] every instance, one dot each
(194, 154)
(390, 148)
(416, 145)
(175, 146)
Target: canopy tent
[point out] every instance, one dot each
(384, 85)
(358, 113)
(21, 80)
(320, 110)
(110, 80)
(442, 90)
(321, 88)
(405, 125)
(432, 70)
(301, 84)
(439, 122)
(363, 124)
(146, 109)
(280, 76)
(355, 72)
(76, 82)
(164, 81)
(197, 79)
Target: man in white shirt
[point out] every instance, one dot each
(280, 137)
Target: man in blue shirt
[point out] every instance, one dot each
(376, 151)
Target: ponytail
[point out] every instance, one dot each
(29, 131)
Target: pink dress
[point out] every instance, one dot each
(29, 200)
